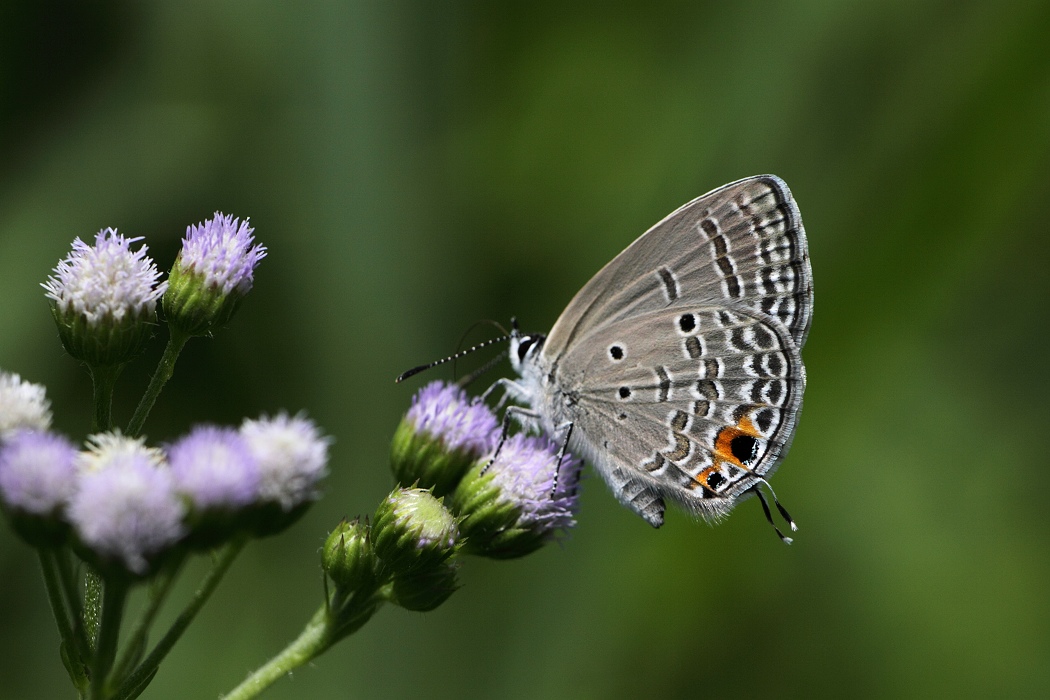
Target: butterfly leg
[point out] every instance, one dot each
(509, 387)
(524, 416)
(567, 427)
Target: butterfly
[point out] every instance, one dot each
(676, 370)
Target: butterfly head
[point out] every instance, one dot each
(524, 348)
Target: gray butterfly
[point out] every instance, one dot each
(676, 369)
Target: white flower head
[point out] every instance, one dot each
(23, 405)
(292, 455)
(106, 450)
(107, 281)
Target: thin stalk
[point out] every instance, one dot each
(67, 577)
(58, 607)
(314, 640)
(114, 597)
(103, 380)
(222, 563)
(157, 594)
(92, 605)
(165, 368)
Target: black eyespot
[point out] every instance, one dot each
(744, 448)
(687, 322)
(523, 348)
(714, 480)
(624, 392)
(616, 352)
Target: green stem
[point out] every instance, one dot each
(114, 596)
(222, 563)
(92, 605)
(68, 579)
(314, 640)
(328, 625)
(165, 368)
(103, 379)
(74, 660)
(158, 592)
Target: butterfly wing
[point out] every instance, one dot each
(742, 244)
(689, 402)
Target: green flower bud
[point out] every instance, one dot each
(413, 530)
(425, 589)
(211, 275)
(441, 437)
(347, 555)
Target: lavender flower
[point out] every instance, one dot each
(37, 472)
(105, 298)
(441, 437)
(125, 508)
(292, 455)
(213, 273)
(215, 468)
(23, 405)
(412, 529)
(514, 506)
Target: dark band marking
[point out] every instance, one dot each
(765, 419)
(679, 421)
(712, 368)
(693, 348)
(710, 227)
(724, 319)
(721, 248)
(768, 303)
(655, 464)
(665, 384)
(733, 286)
(742, 410)
(756, 391)
(681, 448)
(670, 284)
(775, 364)
(737, 340)
(714, 480)
(776, 388)
(708, 389)
(702, 408)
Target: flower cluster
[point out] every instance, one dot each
(127, 504)
(511, 495)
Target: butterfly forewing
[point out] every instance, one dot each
(742, 245)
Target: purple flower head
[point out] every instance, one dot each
(223, 251)
(446, 412)
(292, 455)
(525, 470)
(125, 506)
(215, 468)
(106, 282)
(23, 405)
(37, 472)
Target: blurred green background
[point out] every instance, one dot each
(414, 167)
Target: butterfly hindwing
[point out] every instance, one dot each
(687, 402)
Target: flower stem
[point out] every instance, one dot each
(115, 594)
(68, 578)
(73, 651)
(314, 640)
(103, 379)
(165, 368)
(158, 592)
(92, 605)
(223, 559)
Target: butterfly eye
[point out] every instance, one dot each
(523, 348)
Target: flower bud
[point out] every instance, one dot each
(37, 479)
(347, 555)
(212, 274)
(441, 437)
(105, 299)
(521, 501)
(413, 530)
(425, 589)
(23, 406)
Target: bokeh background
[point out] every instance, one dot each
(415, 167)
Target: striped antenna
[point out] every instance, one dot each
(416, 370)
